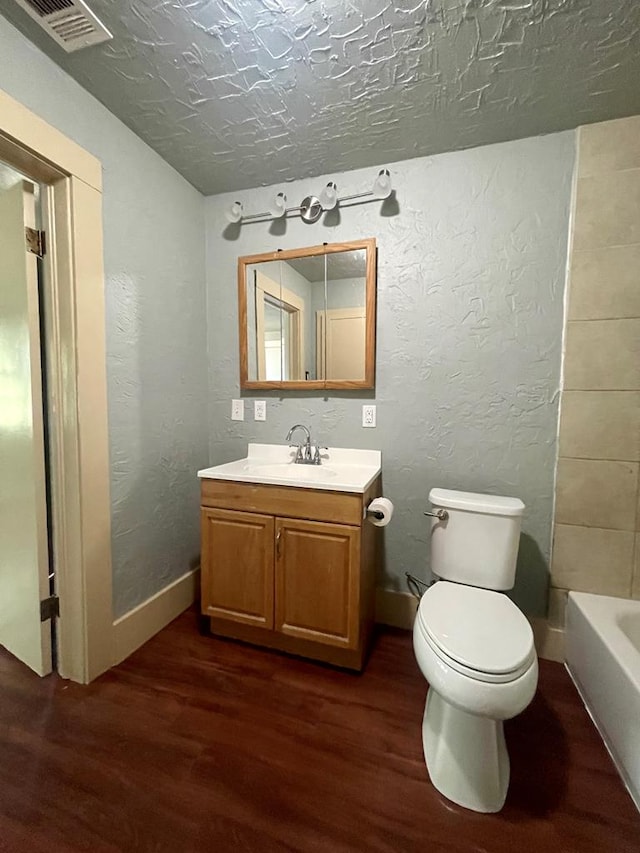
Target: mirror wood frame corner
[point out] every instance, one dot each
(327, 249)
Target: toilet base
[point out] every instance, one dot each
(466, 755)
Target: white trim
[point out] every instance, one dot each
(398, 609)
(563, 343)
(549, 640)
(296, 324)
(76, 383)
(47, 144)
(143, 622)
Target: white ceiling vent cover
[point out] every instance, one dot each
(69, 22)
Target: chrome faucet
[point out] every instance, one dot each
(303, 451)
(302, 457)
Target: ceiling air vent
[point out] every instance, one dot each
(69, 22)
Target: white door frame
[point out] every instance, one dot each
(294, 306)
(76, 379)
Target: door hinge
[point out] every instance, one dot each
(49, 608)
(36, 242)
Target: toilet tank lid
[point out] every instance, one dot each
(473, 502)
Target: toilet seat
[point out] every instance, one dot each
(477, 632)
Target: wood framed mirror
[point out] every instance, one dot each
(307, 317)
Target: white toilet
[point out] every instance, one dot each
(474, 647)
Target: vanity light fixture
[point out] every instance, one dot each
(382, 185)
(311, 208)
(278, 206)
(234, 212)
(329, 196)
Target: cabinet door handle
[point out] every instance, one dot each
(278, 535)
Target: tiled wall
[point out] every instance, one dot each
(597, 516)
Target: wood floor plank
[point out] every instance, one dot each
(201, 744)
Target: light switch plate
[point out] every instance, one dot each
(368, 416)
(260, 410)
(237, 410)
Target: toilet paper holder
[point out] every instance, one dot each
(379, 511)
(375, 513)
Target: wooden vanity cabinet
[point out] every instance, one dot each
(238, 547)
(289, 568)
(317, 570)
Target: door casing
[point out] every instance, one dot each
(76, 381)
(293, 306)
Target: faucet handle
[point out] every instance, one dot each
(298, 450)
(316, 456)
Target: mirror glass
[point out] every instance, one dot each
(342, 336)
(281, 306)
(304, 317)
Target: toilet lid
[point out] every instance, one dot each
(478, 628)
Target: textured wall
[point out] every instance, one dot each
(598, 485)
(156, 337)
(249, 92)
(472, 259)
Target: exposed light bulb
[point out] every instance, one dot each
(382, 185)
(234, 213)
(278, 206)
(329, 196)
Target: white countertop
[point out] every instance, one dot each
(342, 470)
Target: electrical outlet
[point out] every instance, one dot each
(237, 410)
(368, 416)
(260, 410)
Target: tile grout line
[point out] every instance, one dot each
(601, 319)
(595, 527)
(600, 459)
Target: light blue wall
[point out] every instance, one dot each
(471, 273)
(156, 336)
(470, 292)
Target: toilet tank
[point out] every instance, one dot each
(478, 543)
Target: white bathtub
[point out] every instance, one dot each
(603, 658)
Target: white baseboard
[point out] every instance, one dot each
(399, 609)
(549, 640)
(140, 624)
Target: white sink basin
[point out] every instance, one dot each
(288, 470)
(341, 470)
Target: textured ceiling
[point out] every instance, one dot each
(238, 93)
(351, 264)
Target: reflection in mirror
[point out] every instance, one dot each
(342, 329)
(300, 330)
(278, 316)
(276, 342)
(304, 316)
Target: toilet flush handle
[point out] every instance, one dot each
(440, 514)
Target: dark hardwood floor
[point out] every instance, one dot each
(198, 744)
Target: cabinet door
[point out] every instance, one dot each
(317, 581)
(237, 566)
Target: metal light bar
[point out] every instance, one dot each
(311, 208)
